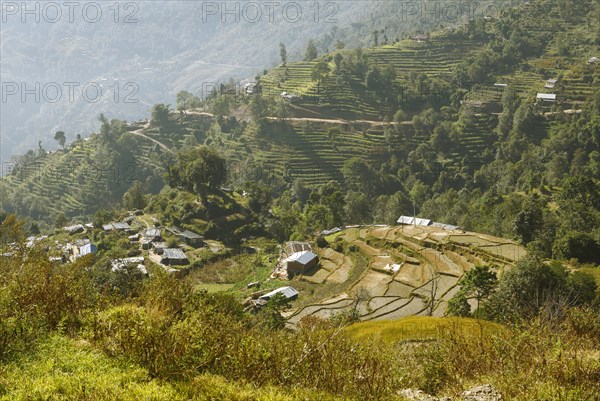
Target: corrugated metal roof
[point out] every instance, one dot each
(303, 257)
(121, 226)
(409, 220)
(174, 253)
(288, 292)
(546, 96)
(153, 232)
(190, 234)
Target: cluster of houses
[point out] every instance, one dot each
(150, 239)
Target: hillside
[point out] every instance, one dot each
(418, 216)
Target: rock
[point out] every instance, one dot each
(416, 395)
(486, 392)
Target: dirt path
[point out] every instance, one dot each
(308, 119)
(139, 132)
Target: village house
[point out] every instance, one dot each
(173, 256)
(188, 237)
(75, 229)
(420, 38)
(287, 292)
(83, 250)
(153, 234)
(545, 98)
(159, 247)
(413, 221)
(116, 226)
(300, 262)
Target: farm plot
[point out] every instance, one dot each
(420, 272)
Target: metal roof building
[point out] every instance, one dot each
(152, 233)
(287, 292)
(300, 262)
(546, 97)
(173, 256)
(416, 221)
(87, 249)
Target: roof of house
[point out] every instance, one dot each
(173, 253)
(546, 96)
(82, 242)
(152, 232)
(190, 234)
(331, 231)
(409, 220)
(116, 226)
(121, 226)
(303, 257)
(288, 292)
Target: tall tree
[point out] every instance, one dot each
(283, 54)
(311, 51)
(60, 137)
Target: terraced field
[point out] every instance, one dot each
(60, 182)
(410, 270)
(345, 96)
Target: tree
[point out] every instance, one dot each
(311, 51)
(259, 197)
(418, 193)
(479, 282)
(134, 197)
(283, 54)
(337, 59)
(532, 286)
(376, 38)
(320, 71)
(459, 306)
(160, 115)
(185, 101)
(577, 245)
(60, 137)
(198, 167)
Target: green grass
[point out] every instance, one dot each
(65, 369)
(68, 370)
(418, 328)
(212, 287)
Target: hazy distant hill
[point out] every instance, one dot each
(149, 51)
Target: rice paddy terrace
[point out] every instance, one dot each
(390, 272)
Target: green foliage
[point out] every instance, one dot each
(134, 197)
(533, 287)
(196, 168)
(60, 137)
(311, 51)
(185, 101)
(160, 115)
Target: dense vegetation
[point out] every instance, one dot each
(367, 135)
(160, 338)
